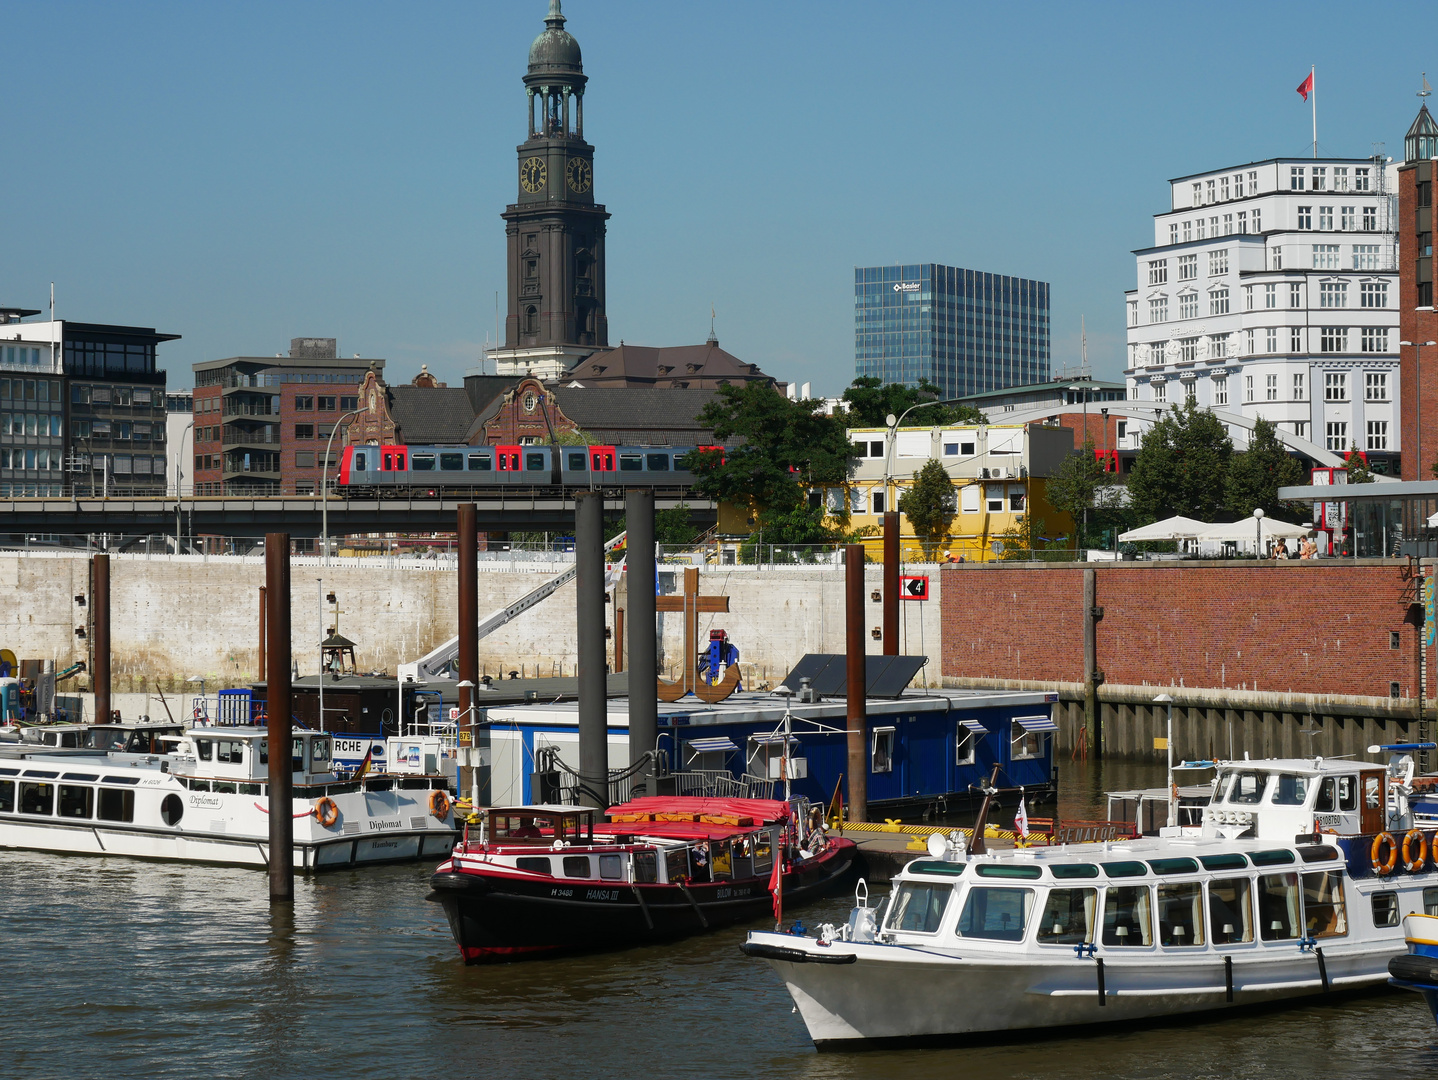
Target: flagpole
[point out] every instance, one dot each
(1313, 100)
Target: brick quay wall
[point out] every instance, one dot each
(1294, 657)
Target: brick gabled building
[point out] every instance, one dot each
(679, 367)
(1417, 322)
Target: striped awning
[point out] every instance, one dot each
(710, 746)
(974, 726)
(1036, 723)
(771, 740)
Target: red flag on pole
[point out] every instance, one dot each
(776, 885)
(1306, 86)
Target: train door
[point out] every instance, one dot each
(601, 461)
(393, 464)
(507, 463)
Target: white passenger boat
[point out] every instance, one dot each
(207, 801)
(1295, 884)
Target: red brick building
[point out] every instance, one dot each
(1417, 322)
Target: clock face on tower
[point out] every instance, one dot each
(580, 175)
(532, 175)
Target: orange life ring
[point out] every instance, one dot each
(326, 811)
(1414, 863)
(439, 804)
(1384, 867)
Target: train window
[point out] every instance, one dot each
(451, 462)
(576, 461)
(536, 462)
(399, 462)
(389, 463)
(631, 463)
(361, 463)
(657, 462)
(479, 463)
(423, 463)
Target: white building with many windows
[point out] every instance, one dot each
(1271, 290)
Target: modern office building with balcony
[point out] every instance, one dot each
(263, 424)
(1270, 291)
(82, 408)
(965, 331)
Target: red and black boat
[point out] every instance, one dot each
(544, 880)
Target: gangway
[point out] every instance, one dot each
(439, 662)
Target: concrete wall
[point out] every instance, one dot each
(177, 617)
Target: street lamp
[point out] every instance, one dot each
(324, 484)
(1258, 532)
(179, 475)
(1417, 347)
(892, 424)
(1084, 389)
(1167, 702)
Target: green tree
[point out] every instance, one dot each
(673, 526)
(1182, 467)
(1023, 537)
(870, 403)
(1255, 475)
(930, 504)
(1358, 470)
(1080, 484)
(788, 447)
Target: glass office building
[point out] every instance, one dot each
(963, 330)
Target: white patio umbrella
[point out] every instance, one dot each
(1174, 528)
(1249, 528)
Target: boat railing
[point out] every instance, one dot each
(719, 783)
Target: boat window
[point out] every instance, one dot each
(576, 866)
(1290, 790)
(1430, 901)
(1318, 853)
(7, 796)
(196, 785)
(1024, 743)
(646, 866)
(121, 779)
(230, 751)
(1026, 873)
(676, 864)
(263, 749)
(1180, 913)
(1278, 907)
(1327, 795)
(9, 772)
(421, 463)
(360, 465)
(225, 787)
(918, 906)
(297, 756)
(1247, 788)
(534, 864)
(91, 777)
(611, 867)
(41, 772)
(965, 740)
(882, 751)
(172, 809)
(631, 463)
(77, 801)
(319, 755)
(536, 462)
(1230, 861)
(763, 854)
(576, 461)
(37, 798)
(480, 463)
(1323, 911)
(116, 805)
(205, 748)
(1230, 911)
(1125, 869)
(451, 462)
(928, 866)
(1000, 914)
(1271, 858)
(657, 462)
(1385, 908)
(1074, 870)
(1372, 790)
(1126, 916)
(1348, 792)
(1173, 866)
(1068, 917)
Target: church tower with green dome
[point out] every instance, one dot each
(555, 229)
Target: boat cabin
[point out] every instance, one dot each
(242, 754)
(540, 825)
(1285, 797)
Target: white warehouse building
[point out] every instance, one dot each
(1271, 290)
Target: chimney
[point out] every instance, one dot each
(314, 348)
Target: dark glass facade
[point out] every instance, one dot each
(963, 330)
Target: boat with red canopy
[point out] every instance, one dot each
(548, 879)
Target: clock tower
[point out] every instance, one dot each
(555, 231)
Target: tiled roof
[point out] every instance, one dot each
(682, 367)
(636, 414)
(430, 415)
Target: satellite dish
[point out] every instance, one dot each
(937, 845)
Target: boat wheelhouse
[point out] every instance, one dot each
(1294, 885)
(206, 800)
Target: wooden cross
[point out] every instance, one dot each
(691, 604)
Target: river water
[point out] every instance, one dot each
(121, 968)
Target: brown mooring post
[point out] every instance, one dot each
(891, 584)
(856, 665)
(1092, 677)
(278, 711)
(643, 637)
(100, 657)
(468, 625)
(264, 611)
(589, 607)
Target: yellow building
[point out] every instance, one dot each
(999, 471)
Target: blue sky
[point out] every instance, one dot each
(245, 173)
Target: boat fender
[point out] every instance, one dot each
(439, 804)
(327, 812)
(1384, 866)
(1413, 862)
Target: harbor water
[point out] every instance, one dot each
(125, 968)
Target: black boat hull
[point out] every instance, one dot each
(496, 919)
